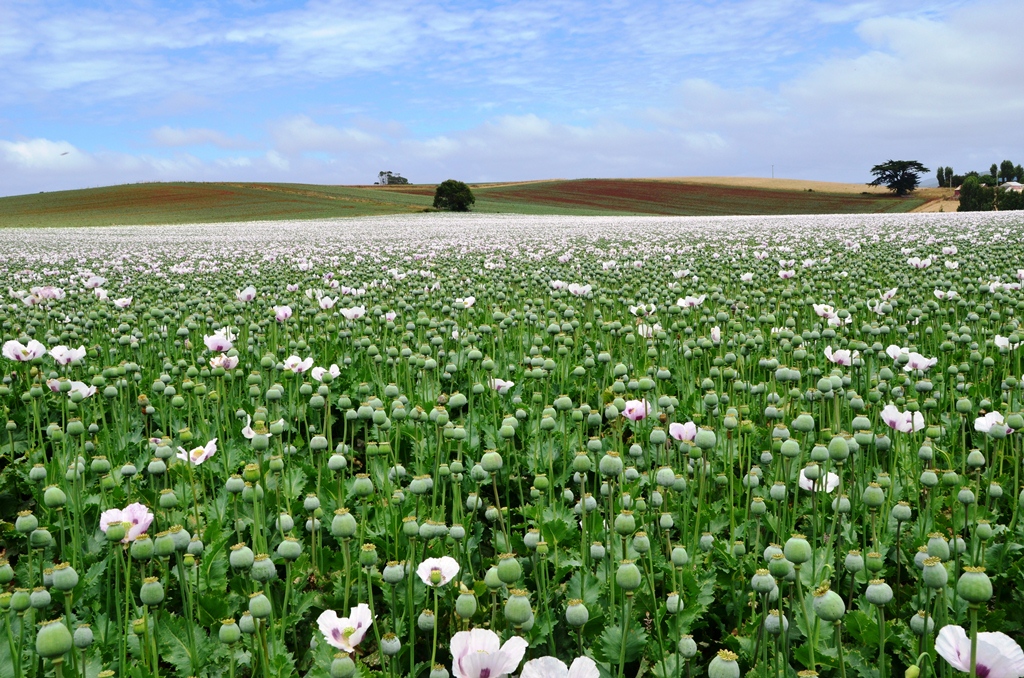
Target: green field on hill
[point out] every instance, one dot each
(188, 202)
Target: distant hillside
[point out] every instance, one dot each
(186, 202)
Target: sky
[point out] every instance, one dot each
(97, 92)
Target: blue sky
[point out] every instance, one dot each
(327, 91)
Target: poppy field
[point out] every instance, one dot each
(493, 445)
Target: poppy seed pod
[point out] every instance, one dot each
(241, 557)
(229, 632)
(64, 577)
(509, 569)
(627, 576)
(576, 613)
(974, 585)
(797, 549)
(724, 665)
(259, 605)
(878, 592)
(53, 640)
(151, 592)
(517, 607)
(83, 636)
(934, 573)
(828, 604)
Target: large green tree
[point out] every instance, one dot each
(453, 196)
(900, 176)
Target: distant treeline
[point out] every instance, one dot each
(1004, 172)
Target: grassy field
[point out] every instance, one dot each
(174, 203)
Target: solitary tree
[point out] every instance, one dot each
(453, 196)
(901, 176)
(949, 177)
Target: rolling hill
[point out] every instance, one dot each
(188, 202)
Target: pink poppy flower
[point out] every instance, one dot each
(478, 653)
(295, 364)
(82, 388)
(220, 341)
(22, 353)
(354, 313)
(318, 372)
(123, 302)
(841, 356)
(550, 667)
(345, 633)
(282, 313)
(136, 515)
(998, 655)
(438, 571)
(198, 454)
(904, 422)
(636, 409)
(986, 423)
(687, 431)
(246, 295)
(826, 484)
(500, 385)
(62, 355)
(226, 361)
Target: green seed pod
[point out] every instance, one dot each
(246, 623)
(687, 647)
(797, 549)
(53, 640)
(229, 633)
(611, 464)
(241, 557)
(259, 605)
(762, 581)
(627, 576)
(974, 586)
(83, 636)
(390, 645)
(576, 613)
(828, 604)
(625, 523)
(724, 665)
(368, 555)
(64, 577)
(517, 607)
(26, 522)
(938, 546)
(465, 604)
(142, 547)
(679, 556)
(40, 598)
(921, 623)
(934, 573)
(54, 497)
(509, 569)
(874, 496)
(344, 525)
(263, 569)
(40, 538)
(426, 621)
(152, 591)
(342, 666)
(363, 486)
(878, 592)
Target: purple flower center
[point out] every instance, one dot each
(982, 670)
(486, 673)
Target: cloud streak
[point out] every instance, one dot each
(332, 91)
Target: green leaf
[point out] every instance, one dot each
(609, 644)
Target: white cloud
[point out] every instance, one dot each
(297, 134)
(174, 136)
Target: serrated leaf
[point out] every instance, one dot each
(609, 645)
